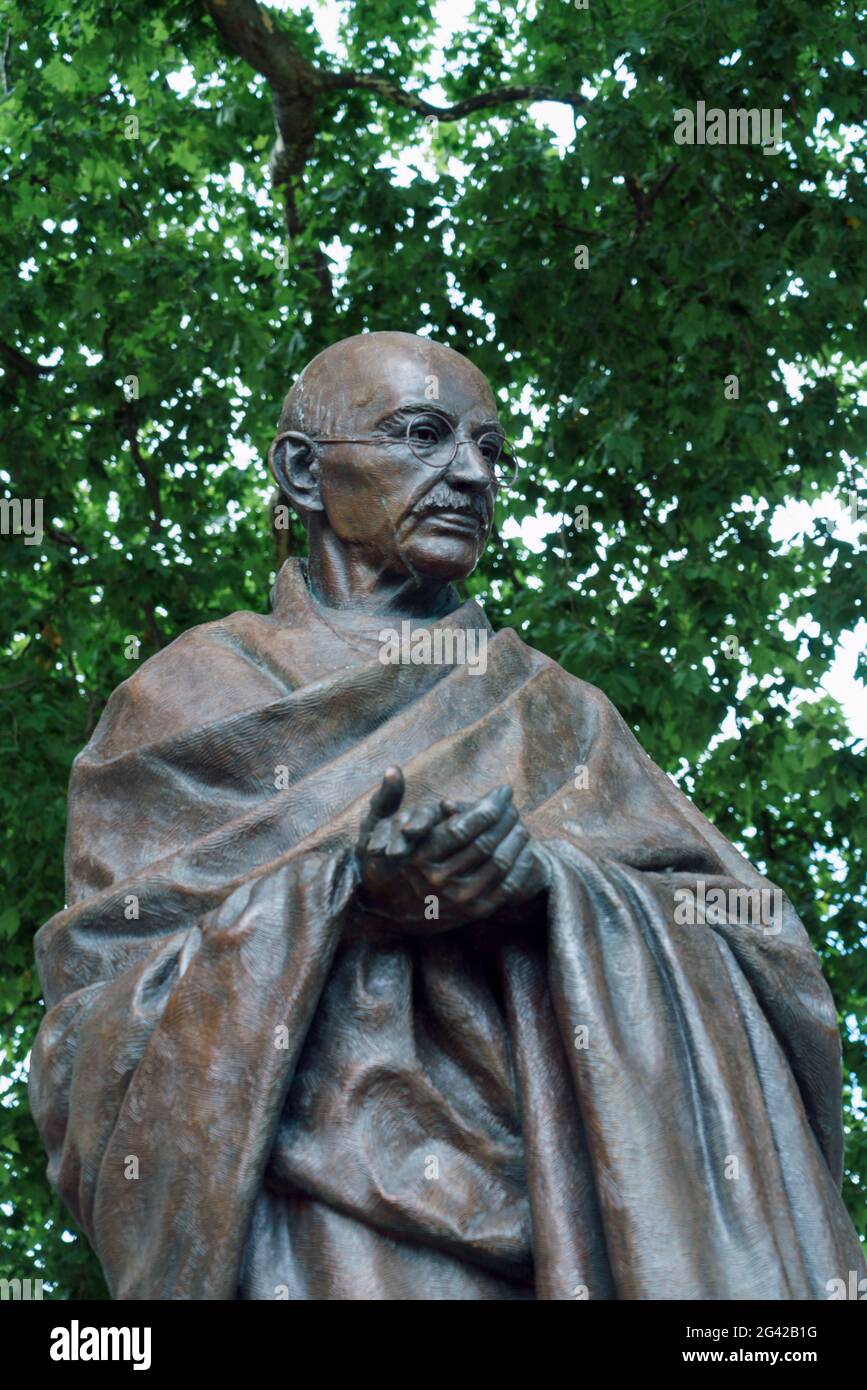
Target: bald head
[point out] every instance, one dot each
(361, 379)
(388, 446)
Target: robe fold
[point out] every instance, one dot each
(250, 1088)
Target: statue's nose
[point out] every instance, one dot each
(470, 468)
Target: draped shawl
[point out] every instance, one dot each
(249, 1088)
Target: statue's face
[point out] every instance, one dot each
(381, 496)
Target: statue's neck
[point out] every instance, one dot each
(354, 585)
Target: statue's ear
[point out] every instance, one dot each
(293, 461)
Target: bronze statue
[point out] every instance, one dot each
(378, 978)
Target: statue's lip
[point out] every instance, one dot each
(466, 521)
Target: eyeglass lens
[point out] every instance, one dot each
(433, 441)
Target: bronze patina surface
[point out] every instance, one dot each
(362, 993)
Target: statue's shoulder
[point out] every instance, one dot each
(208, 673)
(572, 687)
(578, 709)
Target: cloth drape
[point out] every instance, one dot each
(248, 1088)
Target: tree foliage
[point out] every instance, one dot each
(152, 230)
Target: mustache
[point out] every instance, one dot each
(444, 498)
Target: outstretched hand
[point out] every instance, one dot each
(445, 864)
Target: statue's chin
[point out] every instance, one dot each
(439, 552)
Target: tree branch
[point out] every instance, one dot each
(497, 96)
(25, 366)
(4, 63)
(252, 34)
(643, 202)
(295, 83)
(64, 539)
(129, 424)
(126, 417)
(296, 132)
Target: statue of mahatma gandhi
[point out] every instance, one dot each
(361, 993)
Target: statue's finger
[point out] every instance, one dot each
(379, 838)
(484, 845)
(485, 878)
(516, 883)
(399, 847)
(384, 802)
(460, 829)
(506, 854)
(420, 821)
(500, 882)
(399, 835)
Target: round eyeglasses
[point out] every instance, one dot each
(433, 441)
